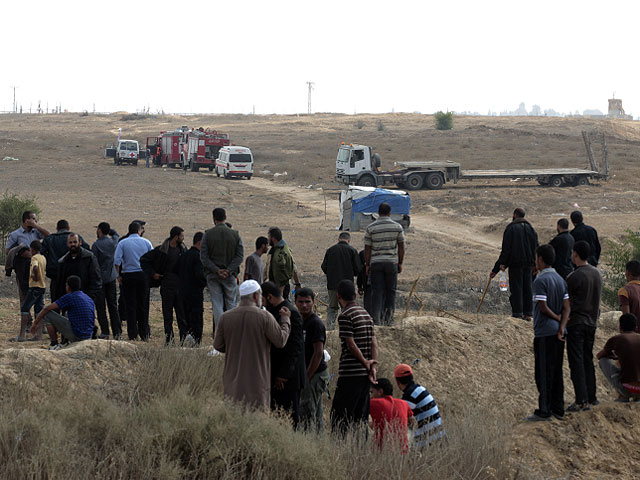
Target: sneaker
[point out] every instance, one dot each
(534, 417)
(594, 403)
(527, 318)
(18, 339)
(55, 347)
(558, 416)
(213, 353)
(117, 337)
(578, 407)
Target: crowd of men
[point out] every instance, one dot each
(559, 288)
(274, 348)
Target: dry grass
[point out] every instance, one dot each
(170, 421)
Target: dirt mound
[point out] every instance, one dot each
(486, 361)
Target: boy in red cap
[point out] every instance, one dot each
(390, 416)
(424, 407)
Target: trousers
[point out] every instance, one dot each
(384, 282)
(135, 293)
(106, 299)
(580, 340)
(521, 286)
(311, 401)
(170, 304)
(350, 407)
(549, 353)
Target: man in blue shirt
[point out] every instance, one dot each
(134, 283)
(551, 308)
(79, 322)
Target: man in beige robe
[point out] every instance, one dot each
(245, 334)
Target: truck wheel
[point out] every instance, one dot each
(249, 176)
(211, 168)
(414, 181)
(582, 181)
(366, 181)
(555, 181)
(434, 181)
(217, 172)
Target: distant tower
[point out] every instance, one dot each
(615, 109)
(310, 88)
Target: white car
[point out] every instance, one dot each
(234, 161)
(127, 151)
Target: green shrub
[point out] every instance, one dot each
(11, 208)
(359, 124)
(617, 257)
(444, 121)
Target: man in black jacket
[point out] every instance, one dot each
(82, 263)
(53, 248)
(563, 246)
(588, 234)
(288, 370)
(161, 267)
(518, 254)
(341, 262)
(190, 286)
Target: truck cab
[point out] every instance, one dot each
(356, 164)
(127, 151)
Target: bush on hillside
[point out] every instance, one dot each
(617, 257)
(11, 208)
(444, 121)
(380, 126)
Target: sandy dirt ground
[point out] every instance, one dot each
(452, 244)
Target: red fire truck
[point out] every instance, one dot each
(200, 148)
(171, 148)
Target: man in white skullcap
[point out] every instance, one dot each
(245, 335)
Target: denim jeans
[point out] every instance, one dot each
(223, 293)
(35, 299)
(384, 281)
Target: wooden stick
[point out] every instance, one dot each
(406, 310)
(484, 294)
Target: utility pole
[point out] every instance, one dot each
(15, 107)
(310, 87)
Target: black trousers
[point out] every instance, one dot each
(171, 303)
(135, 293)
(287, 399)
(193, 309)
(106, 299)
(549, 353)
(580, 340)
(384, 283)
(350, 407)
(521, 285)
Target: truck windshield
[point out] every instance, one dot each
(240, 158)
(343, 155)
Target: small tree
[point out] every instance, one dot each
(617, 257)
(444, 121)
(11, 208)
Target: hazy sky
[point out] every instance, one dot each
(364, 56)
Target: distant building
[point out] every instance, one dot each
(616, 110)
(593, 113)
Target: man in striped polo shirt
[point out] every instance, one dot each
(424, 407)
(358, 362)
(383, 253)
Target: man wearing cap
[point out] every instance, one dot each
(245, 335)
(424, 407)
(133, 281)
(358, 366)
(104, 249)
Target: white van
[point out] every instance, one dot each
(127, 151)
(234, 161)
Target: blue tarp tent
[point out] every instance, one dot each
(359, 206)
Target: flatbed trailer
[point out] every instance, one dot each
(357, 165)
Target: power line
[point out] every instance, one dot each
(310, 87)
